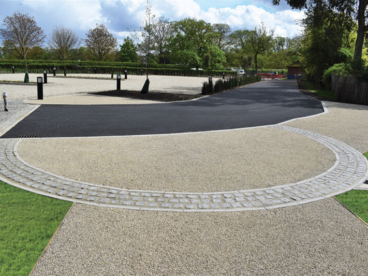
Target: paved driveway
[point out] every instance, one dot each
(263, 103)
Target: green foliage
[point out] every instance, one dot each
(259, 41)
(315, 88)
(339, 69)
(229, 83)
(326, 32)
(128, 51)
(194, 44)
(27, 223)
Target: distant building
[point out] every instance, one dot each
(294, 70)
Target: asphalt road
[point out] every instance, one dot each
(263, 103)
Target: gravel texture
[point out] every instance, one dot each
(347, 123)
(66, 86)
(201, 162)
(319, 238)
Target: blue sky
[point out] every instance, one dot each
(119, 15)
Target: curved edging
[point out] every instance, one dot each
(349, 171)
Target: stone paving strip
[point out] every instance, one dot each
(17, 111)
(349, 171)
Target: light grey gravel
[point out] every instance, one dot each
(347, 123)
(312, 239)
(202, 162)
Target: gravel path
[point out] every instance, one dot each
(67, 86)
(347, 123)
(318, 238)
(250, 159)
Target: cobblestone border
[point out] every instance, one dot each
(349, 171)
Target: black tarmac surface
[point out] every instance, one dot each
(263, 103)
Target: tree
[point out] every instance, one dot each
(357, 8)
(62, 41)
(128, 51)
(223, 31)
(36, 53)
(100, 42)
(9, 51)
(193, 43)
(238, 39)
(259, 41)
(326, 32)
(23, 33)
(161, 31)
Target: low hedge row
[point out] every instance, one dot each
(73, 64)
(130, 71)
(224, 84)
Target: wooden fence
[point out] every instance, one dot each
(349, 90)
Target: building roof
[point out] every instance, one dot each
(295, 64)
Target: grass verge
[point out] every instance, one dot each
(314, 88)
(27, 223)
(356, 201)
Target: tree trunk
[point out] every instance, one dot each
(256, 63)
(25, 61)
(361, 29)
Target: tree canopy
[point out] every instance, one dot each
(100, 42)
(193, 43)
(351, 8)
(22, 33)
(128, 51)
(62, 41)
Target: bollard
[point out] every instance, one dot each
(5, 97)
(118, 82)
(45, 76)
(39, 88)
(210, 84)
(126, 74)
(13, 69)
(223, 76)
(54, 71)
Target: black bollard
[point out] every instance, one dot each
(13, 70)
(54, 71)
(39, 88)
(210, 84)
(5, 97)
(45, 76)
(118, 82)
(126, 74)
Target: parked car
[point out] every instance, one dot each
(241, 72)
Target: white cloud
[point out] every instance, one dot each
(119, 15)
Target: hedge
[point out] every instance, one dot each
(224, 84)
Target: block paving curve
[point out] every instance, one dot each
(349, 171)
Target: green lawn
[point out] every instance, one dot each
(356, 201)
(27, 223)
(314, 88)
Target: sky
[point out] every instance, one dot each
(124, 16)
